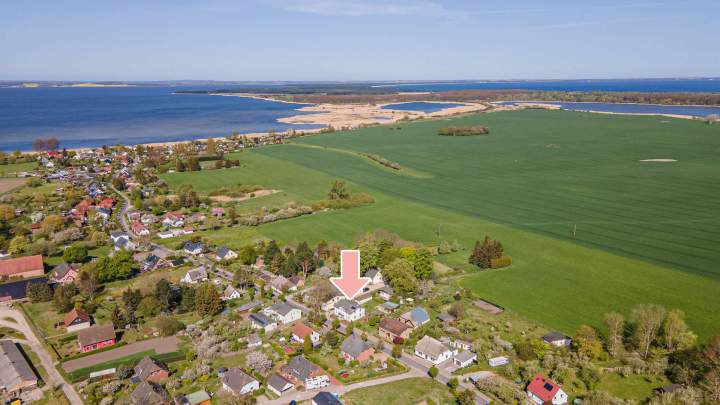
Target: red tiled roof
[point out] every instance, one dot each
(96, 334)
(393, 326)
(543, 388)
(12, 267)
(74, 314)
(301, 330)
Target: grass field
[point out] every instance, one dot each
(11, 170)
(408, 391)
(645, 232)
(635, 387)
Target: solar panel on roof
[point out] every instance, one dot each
(548, 386)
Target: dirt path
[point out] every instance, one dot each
(54, 376)
(160, 345)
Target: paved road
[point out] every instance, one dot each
(121, 212)
(340, 389)
(54, 376)
(160, 345)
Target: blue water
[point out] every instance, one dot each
(633, 108)
(420, 106)
(711, 85)
(130, 115)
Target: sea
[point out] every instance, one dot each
(92, 116)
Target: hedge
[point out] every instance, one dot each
(501, 262)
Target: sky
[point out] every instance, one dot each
(259, 40)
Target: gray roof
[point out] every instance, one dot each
(147, 366)
(223, 251)
(430, 346)
(192, 246)
(372, 273)
(554, 336)
(278, 382)
(61, 270)
(248, 306)
(15, 371)
(326, 398)
(300, 368)
(282, 308)
(197, 274)
(150, 393)
(236, 379)
(347, 305)
(354, 345)
(465, 355)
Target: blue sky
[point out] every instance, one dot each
(357, 39)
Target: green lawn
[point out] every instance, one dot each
(10, 170)
(408, 391)
(634, 387)
(646, 232)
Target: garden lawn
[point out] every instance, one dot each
(408, 391)
(633, 387)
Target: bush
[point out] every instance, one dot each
(39, 292)
(463, 131)
(502, 261)
(169, 326)
(433, 372)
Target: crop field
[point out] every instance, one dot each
(591, 228)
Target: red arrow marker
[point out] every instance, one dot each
(350, 283)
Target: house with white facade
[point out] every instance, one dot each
(238, 382)
(195, 276)
(283, 313)
(350, 311)
(433, 350)
(543, 390)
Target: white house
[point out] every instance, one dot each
(224, 253)
(308, 373)
(166, 234)
(464, 358)
(329, 305)
(300, 331)
(433, 350)
(278, 384)
(262, 321)
(239, 383)
(194, 248)
(375, 276)
(557, 339)
(350, 311)
(283, 313)
(231, 293)
(543, 390)
(498, 361)
(195, 276)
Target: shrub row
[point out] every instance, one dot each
(463, 131)
(499, 263)
(383, 161)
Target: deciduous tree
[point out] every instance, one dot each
(647, 320)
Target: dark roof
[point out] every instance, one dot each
(372, 273)
(261, 319)
(393, 326)
(147, 366)
(96, 334)
(554, 336)
(326, 398)
(278, 382)
(300, 368)
(61, 270)
(18, 289)
(282, 308)
(192, 246)
(150, 393)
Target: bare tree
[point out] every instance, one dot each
(615, 323)
(647, 320)
(712, 118)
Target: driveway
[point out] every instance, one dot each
(340, 390)
(54, 376)
(160, 345)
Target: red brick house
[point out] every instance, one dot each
(394, 330)
(25, 267)
(96, 337)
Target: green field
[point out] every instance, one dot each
(644, 232)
